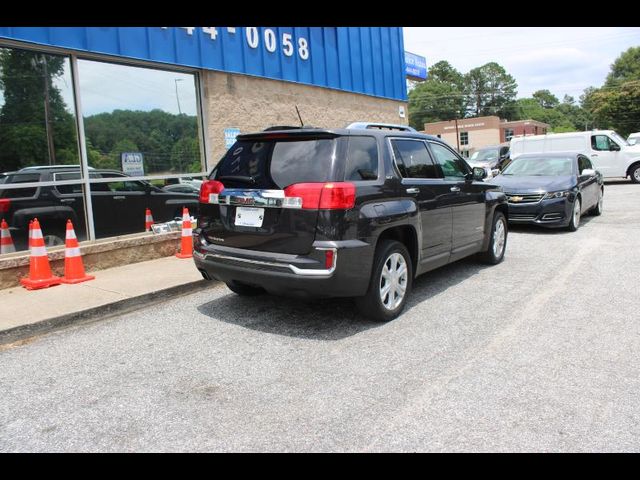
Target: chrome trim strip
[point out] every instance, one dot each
(255, 198)
(306, 272)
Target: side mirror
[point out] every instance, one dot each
(495, 172)
(587, 172)
(614, 147)
(479, 173)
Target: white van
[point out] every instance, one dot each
(633, 138)
(610, 154)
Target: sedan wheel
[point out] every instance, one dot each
(575, 217)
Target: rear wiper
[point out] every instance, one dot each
(238, 178)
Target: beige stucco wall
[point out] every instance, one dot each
(253, 104)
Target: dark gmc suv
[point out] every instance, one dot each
(356, 212)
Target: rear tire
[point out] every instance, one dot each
(390, 283)
(243, 289)
(497, 241)
(597, 210)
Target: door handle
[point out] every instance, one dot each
(119, 197)
(67, 200)
(413, 190)
(594, 154)
(455, 189)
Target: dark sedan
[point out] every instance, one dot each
(551, 189)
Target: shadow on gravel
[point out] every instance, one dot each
(537, 230)
(327, 319)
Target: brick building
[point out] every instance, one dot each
(471, 134)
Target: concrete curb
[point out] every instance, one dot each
(101, 312)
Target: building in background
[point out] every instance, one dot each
(165, 103)
(470, 134)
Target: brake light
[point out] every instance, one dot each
(5, 203)
(208, 188)
(322, 196)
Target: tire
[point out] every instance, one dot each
(54, 240)
(497, 241)
(244, 290)
(393, 272)
(597, 210)
(575, 215)
(634, 173)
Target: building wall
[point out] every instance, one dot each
(253, 104)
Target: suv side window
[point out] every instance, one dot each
(449, 162)
(362, 159)
(413, 159)
(601, 143)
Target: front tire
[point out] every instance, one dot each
(498, 240)
(575, 215)
(390, 283)
(634, 173)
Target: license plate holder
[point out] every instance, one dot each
(249, 217)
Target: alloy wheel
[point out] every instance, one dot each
(393, 281)
(499, 238)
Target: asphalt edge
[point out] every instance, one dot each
(101, 312)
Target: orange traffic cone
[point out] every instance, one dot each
(6, 243)
(186, 249)
(40, 275)
(148, 220)
(73, 266)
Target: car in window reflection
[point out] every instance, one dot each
(118, 204)
(491, 158)
(182, 188)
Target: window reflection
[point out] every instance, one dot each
(133, 110)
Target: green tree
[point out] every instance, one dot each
(625, 68)
(34, 111)
(440, 97)
(491, 91)
(546, 99)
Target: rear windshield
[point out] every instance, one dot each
(276, 164)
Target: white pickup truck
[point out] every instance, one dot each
(610, 154)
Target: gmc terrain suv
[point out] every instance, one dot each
(356, 212)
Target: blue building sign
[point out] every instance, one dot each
(230, 135)
(416, 66)
(368, 60)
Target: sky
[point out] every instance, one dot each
(563, 60)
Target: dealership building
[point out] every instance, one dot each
(163, 104)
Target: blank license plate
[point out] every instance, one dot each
(249, 217)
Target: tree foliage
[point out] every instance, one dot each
(168, 142)
(491, 90)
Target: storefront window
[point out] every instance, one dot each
(140, 121)
(38, 137)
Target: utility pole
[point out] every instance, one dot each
(47, 115)
(176, 80)
(457, 135)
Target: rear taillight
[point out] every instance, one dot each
(321, 196)
(5, 203)
(208, 188)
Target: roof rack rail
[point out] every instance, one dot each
(286, 127)
(380, 126)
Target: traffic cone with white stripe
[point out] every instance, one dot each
(73, 266)
(148, 220)
(6, 243)
(40, 275)
(186, 249)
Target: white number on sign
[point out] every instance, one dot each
(303, 48)
(288, 46)
(270, 40)
(189, 30)
(252, 37)
(212, 31)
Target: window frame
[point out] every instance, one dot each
(394, 160)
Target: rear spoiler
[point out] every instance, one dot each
(288, 134)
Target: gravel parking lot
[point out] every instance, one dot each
(539, 353)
